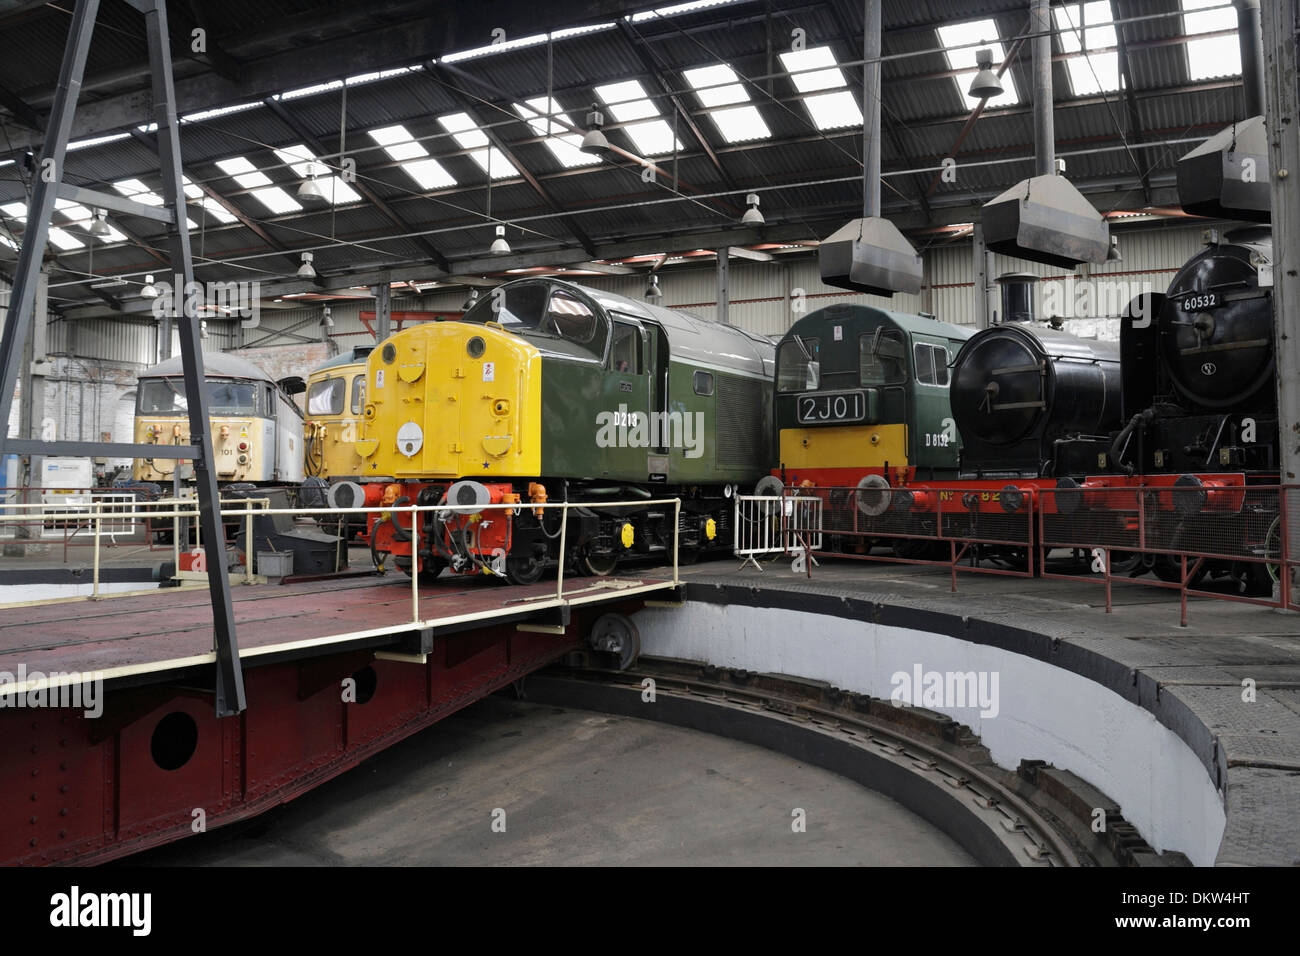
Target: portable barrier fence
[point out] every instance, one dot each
(776, 526)
(1210, 539)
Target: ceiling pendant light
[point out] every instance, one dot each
(594, 140)
(305, 271)
(1112, 255)
(986, 84)
(149, 290)
(752, 216)
(652, 291)
(99, 225)
(499, 245)
(310, 188)
(470, 301)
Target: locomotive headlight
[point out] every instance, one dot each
(1012, 499)
(476, 347)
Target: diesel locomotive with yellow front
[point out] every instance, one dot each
(547, 391)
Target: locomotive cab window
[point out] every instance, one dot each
(880, 359)
(625, 353)
(703, 383)
(797, 365)
(358, 394)
(931, 363)
(573, 321)
(326, 397)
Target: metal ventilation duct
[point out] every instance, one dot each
(1045, 219)
(1227, 176)
(870, 254)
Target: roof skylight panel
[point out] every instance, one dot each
(628, 104)
(401, 146)
(59, 238)
(259, 185)
(305, 164)
(468, 135)
(1088, 27)
(137, 191)
(205, 202)
(738, 123)
(677, 8)
(562, 144)
(1210, 57)
(834, 109)
(985, 34)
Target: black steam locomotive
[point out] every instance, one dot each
(1184, 412)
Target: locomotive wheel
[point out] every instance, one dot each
(616, 634)
(523, 569)
(1273, 547)
(599, 565)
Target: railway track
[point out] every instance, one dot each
(999, 821)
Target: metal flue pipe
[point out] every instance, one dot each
(871, 109)
(1040, 28)
(1251, 38)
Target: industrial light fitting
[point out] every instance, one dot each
(470, 301)
(99, 225)
(325, 318)
(752, 216)
(1112, 255)
(499, 245)
(149, 290)
(652, 290)
(986, 84)
(305, 271)
(310, 188)
(594, 140)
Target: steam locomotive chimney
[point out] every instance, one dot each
(1040, 26)
(1018, 296)
(1251, 37)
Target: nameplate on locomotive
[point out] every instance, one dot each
(821, 407)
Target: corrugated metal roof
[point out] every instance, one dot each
(924, 114)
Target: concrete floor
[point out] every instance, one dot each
(577, 788)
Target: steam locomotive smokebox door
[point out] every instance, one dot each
(314, 551)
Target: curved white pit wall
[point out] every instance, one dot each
(1044, 712)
